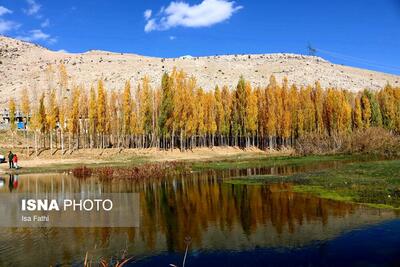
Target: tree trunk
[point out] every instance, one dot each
(36, 144)
(62, 142)
(51, 140)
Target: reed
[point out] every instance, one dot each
(153, 170)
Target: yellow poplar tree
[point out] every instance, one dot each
(114, 120)
(357, 114)
(227, 106)
(366, 111)
(52, 115)
(73, 118)
(101, 112)
(92, 114)
(127, 110)
(84, 114)
(251, 113)
(26, 110)
(12, 109)
(271, 110)
(319, 106)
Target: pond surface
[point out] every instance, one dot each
(227, 225)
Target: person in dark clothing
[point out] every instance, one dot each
(10, 159)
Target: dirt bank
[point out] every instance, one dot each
(53, 159)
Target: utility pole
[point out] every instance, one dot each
(311, 50)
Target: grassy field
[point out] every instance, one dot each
(266, 161)
(375, 183)
(67, 166)
(214, 162)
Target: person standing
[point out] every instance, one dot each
(10, 159)
(15, 161)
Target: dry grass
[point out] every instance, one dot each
(377, 141)
(154, 170)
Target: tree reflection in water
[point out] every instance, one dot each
(217, 216)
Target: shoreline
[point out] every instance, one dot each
(49, 161)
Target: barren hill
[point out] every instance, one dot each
(23, 64)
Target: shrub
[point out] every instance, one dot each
(374, 140)
(148, 170)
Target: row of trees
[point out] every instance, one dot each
(180, 114)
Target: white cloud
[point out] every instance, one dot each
(207, 13)
(147, 14)
(52, 40)
(150, 25)
(33, 7)
(4, 10)
(38, 35)
(8, 25)
(172, 38)
(45, 23)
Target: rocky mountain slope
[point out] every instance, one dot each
(23, 64)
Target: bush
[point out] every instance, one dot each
(319, 144)
(148, 170)
(375, 140)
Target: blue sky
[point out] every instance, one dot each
(363, 33)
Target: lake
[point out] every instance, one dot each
(222, 224)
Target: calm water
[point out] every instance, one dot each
(228, 225)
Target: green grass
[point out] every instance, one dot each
(270, 161)
(63, 167)
(241, 161)
(375, 183)
(263, 179)
(322, 192)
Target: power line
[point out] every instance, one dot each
(358, 60)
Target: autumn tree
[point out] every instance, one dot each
(83, 115)
(145, 111)
(101, 113)
(167, 108)
(219, 112)
(376, 115)
(357, 114)
(52, 115)
(251, 114)
(271, 125)
(92, 114)
(239, 111)
(366, 111)
(42, 119)
(26, 110)
(181, 114)
(126, 110)
(227, 106)
(12, 109)
(73, 119)
(318, 99)
(114, 118)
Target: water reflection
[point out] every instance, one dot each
(13, 182)
(217, 216)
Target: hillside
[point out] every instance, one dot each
(22, 64)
